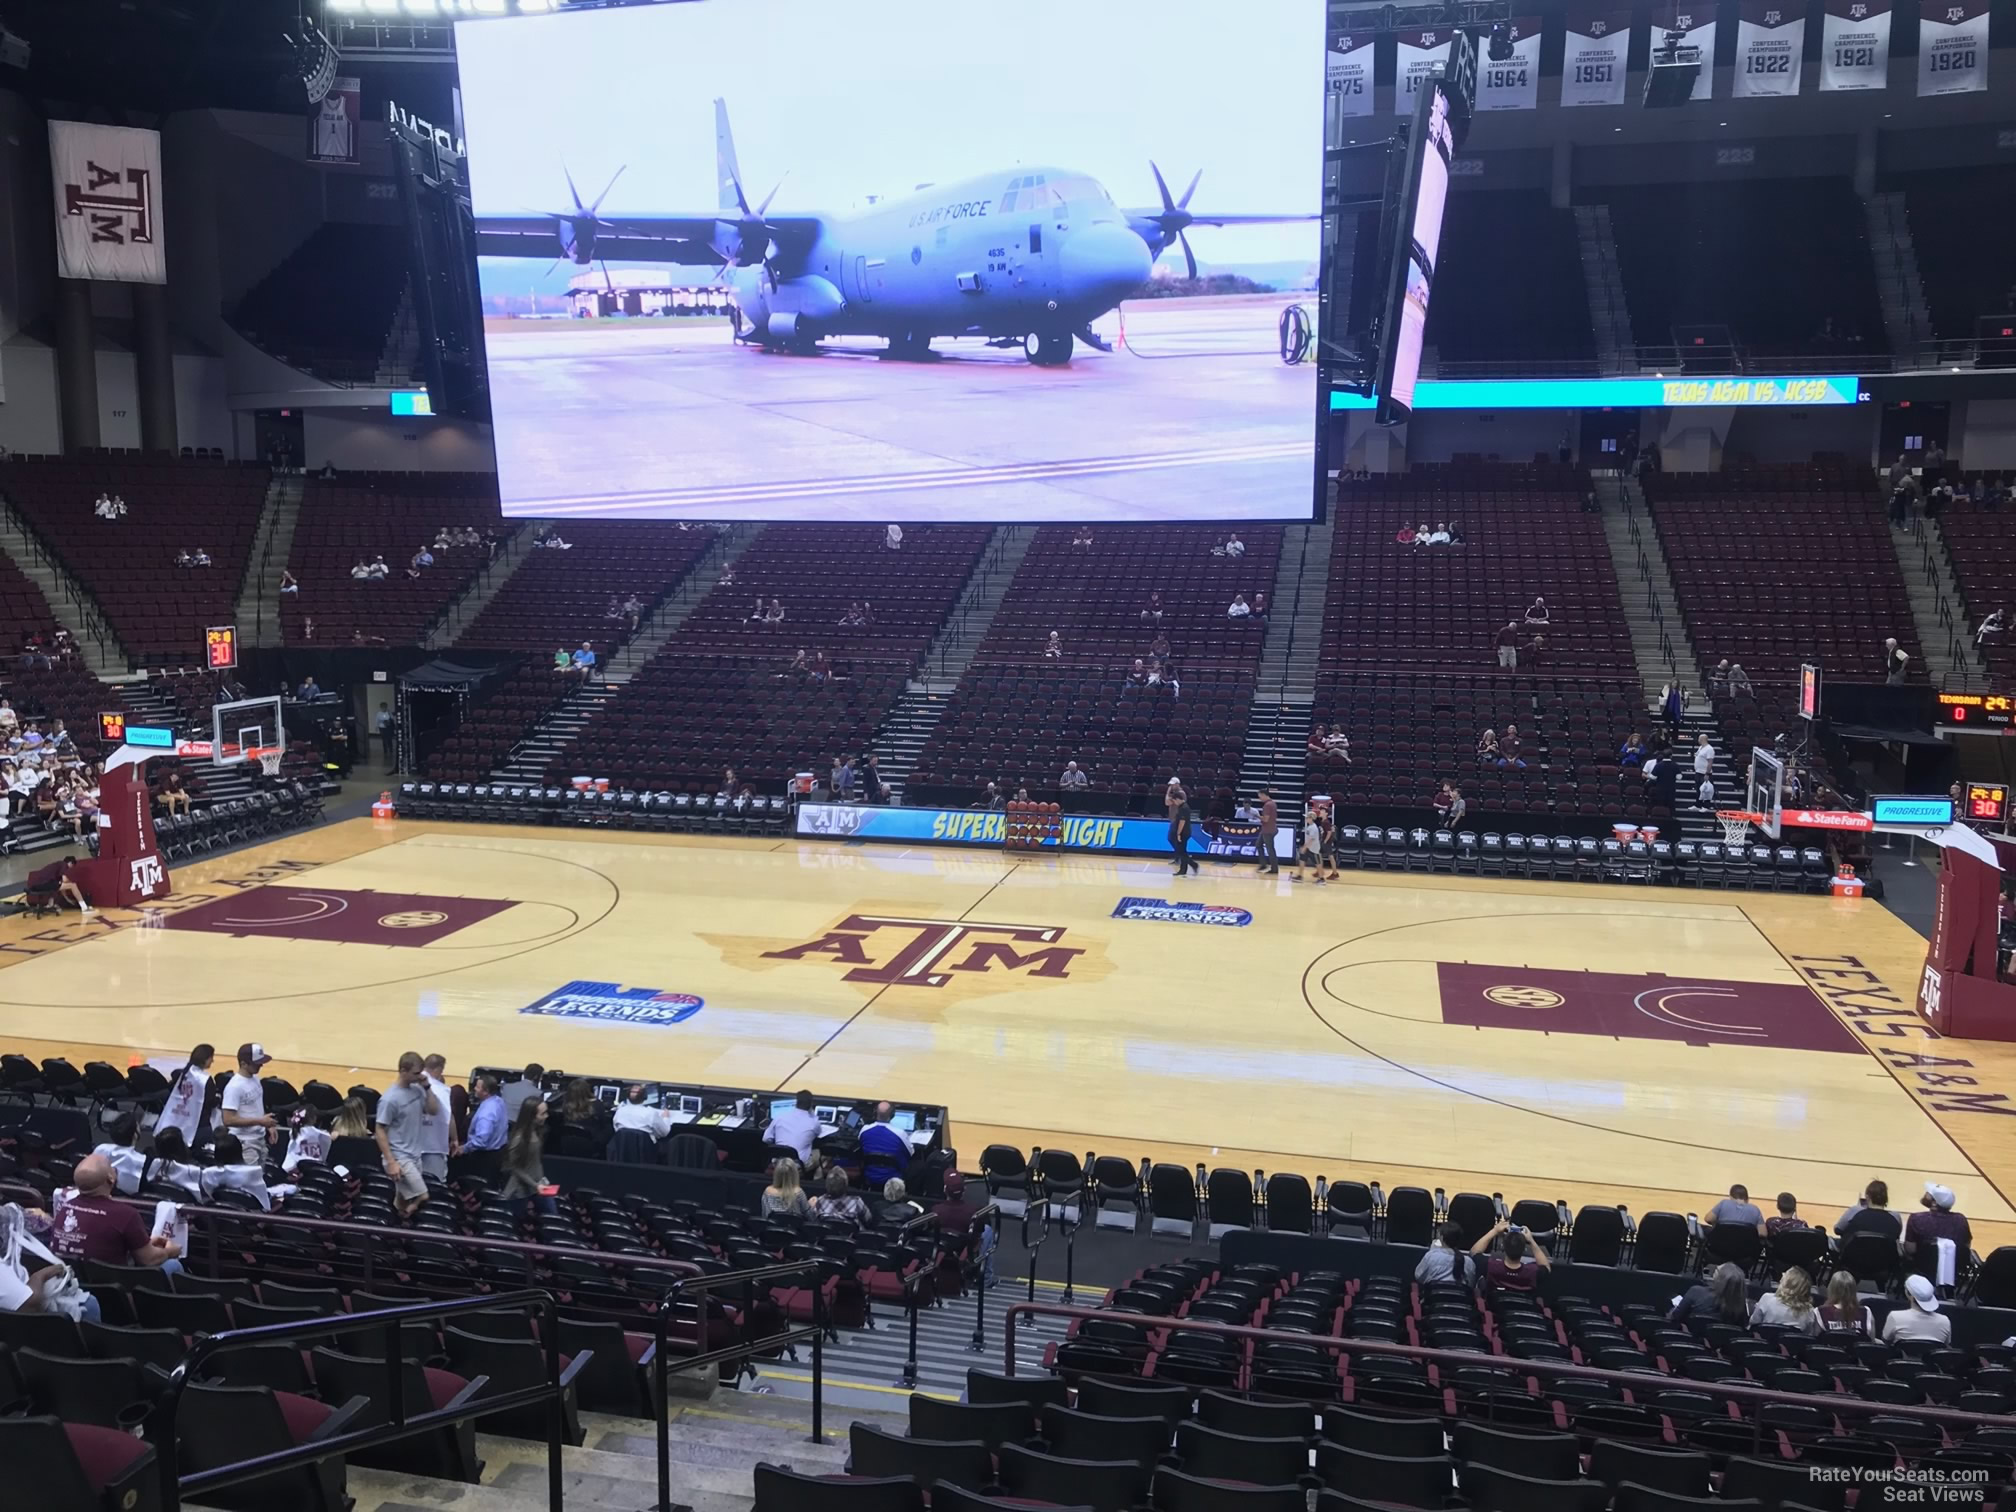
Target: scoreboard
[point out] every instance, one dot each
(1989, 713)
(1985, 802)
(220, 647)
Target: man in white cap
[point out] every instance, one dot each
(1920, 1319)
(1924, 1231)
(244, 1110)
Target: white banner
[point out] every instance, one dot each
(1349, 74)
(1855, 45)
(1510, 83)
(1596, 49)
(333, 124)
(1770, 43)
(1953, 47)
(1418, 56)
(1696, 25)
(108, 202)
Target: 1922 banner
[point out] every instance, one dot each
(1512, 82)
(1953, 47)
(1770, 41)
(108, 202)
(1349, 74)
(1597, 47)
(1855, 45)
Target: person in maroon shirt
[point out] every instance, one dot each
(96, 1225)
(1510, 1269)
(1923, 1231)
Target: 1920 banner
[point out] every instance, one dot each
(1770, 44)
(1953, 47)
(108, 202)
(1511, 82)
(1597, 48)
(1418, 56)
(1349, 74)
(1855, 45)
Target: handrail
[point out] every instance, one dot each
(747, 1279)
(1459, 1359)
(398, 1426)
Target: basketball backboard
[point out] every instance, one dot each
(1765, 791)
(247, 729)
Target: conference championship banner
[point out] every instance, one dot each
(1418, 56)
(1855, 45)
(108, 202)
(1349, 73)
(1770, 44)
(1597, 47)
(1696, 25)
(1953, 47)
(333, 124)
(1511, 83)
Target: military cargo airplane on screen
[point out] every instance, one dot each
(1025, 257)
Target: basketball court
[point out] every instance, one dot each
(1642, 1045)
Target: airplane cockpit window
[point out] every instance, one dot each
(1086, 198)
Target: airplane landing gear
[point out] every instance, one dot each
(910, 347)
(1047, 348)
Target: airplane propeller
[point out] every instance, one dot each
(582, 223)
(734, 237)
(1175, 217)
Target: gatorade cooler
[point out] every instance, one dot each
(1845, 883)
(383, 809)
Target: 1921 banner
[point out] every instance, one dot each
(1596, 48)
(1855, 45)
(108, 202)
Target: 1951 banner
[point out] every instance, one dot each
(1855, 45)
(108, 202)
(1596, 48)
(1770, 44)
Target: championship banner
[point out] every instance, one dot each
(1418, 56)
(1597, 46)
(1348, 76)
(332, 125)
(1953, 47)
(1696, 25)
(1770, 42)
(108, 202)
(1855, 45)
(1512, 82)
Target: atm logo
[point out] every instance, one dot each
(891, 950)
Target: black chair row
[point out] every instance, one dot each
(1582, 858)
(234, 821)
(508, 803)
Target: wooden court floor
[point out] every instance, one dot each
(1617, 1043)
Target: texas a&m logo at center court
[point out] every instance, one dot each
(898, 951)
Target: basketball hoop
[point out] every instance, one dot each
(1736, 824)
(269, 761)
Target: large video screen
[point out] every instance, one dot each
(902, 262)
(1428, 192)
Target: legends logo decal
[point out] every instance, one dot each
(609, 1003)
(881, 949)
(1163, 910)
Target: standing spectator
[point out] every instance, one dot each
(1672, 708)
(1440, 804)
(1991, 625)
(1310, 851)
(403, 1110)
(525, 1089)
(1737, 1208)
(1895, 660)
(1704, 755)
(1704, 794)
(1922, 1320)
(1073, 779)
(488, 1123)
(188, 1096)
(386, 729)
(1508, 645)
(1270, 825)
(1458, 809)
(1533, 652)
(437, 1130)
(524, 1187)
(244, 1109)
(1924, 1231)
(1179, 836)
(1718, 678)
(1739, 682)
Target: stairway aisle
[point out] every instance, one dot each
(1298, 594)
(664, 621)
(1277, 752)
(257, 614)
(1938, 612)
(533, 757)
(460, 612)
(73, 607)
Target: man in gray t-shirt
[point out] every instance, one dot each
(1736, 1208)
(402, 1114)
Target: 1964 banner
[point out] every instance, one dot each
(1513, 82)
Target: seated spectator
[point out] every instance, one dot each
(103, 507)
(1510, 748)
(1153, 612)
(377, 569)
(95, 1225)
(1073, 778)
(562, 661)
(310, 689)
(1517, 1265)
(1422, 533)
(797, 1126)
(633, 610)
(185, 558)
(1218, 547)
(1455, 534)
(1136, 680)
(1487, 749)
(799, 666)
(954, 1214)
(1923, 1232)
(774, 615)
(1791, 1306)
(838, 1204)
(1439, 536)
(1053, 648)
(822, 667)
(551, 543)
(853, 619)
(1337, 747)
(896, 1207)
(1786, 1218)
(423, 558)
(1921, 1320)
(1239, 608)
(784, 1195)
(884, 1150)
(613, 611)
(1260, 610)
(893, 537)
(1736, 1208)
(1508, 645)
(1159, 647)
(727, 578)
(1082, 538)
(1234, 547)
(635, 1113)
(584, 660)
(443, 541)
(1718, 678)
(288, 582)
(1843, 1312)
(1991, 627)
(1444, 1259)
(1633, 752)
(1723, 1298)
(1440, 804)
(1536, 612)
(9, 720)
(1404, 536)
(1871, 1215)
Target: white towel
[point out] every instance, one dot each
(1943, 1272)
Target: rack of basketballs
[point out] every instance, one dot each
(1032, 826)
